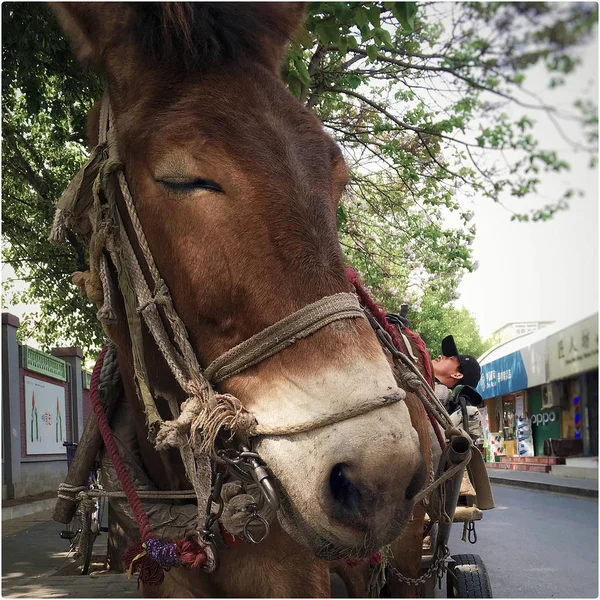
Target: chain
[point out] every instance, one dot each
(212, 515)
(437, 567)
(207, 534)
(472, 534)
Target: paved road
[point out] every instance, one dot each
(534, 544)
(33, 553)
(537, 544)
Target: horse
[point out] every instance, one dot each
(236, 186)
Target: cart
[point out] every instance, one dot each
(466, 574)
(87, 523)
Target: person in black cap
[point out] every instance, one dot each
(452, 368)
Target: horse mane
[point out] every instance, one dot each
(202, 34)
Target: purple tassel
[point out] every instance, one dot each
(163, 552)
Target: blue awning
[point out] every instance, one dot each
(503, 376)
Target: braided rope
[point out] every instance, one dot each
(283, 334)
(104, 428)
(360, 408)
(162, 292)
(150, 494)
(106, 313)
(70, 489)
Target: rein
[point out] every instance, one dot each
(90, 207)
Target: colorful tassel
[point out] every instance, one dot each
(155, 556)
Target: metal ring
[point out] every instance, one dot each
(256, 517)
(249, 454)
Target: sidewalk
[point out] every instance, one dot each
(30, 505)
(33, 553)
(547, 482)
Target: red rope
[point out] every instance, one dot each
(151, 556)
(372, 306)
(134, 501)
(420, 344)
(379, 314)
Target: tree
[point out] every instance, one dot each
(46, 96)
(418, 97)
(434, 321)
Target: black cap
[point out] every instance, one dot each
(469, 366)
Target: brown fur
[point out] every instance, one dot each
(196, 94)
(407, 549)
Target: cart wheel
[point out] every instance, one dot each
(86, 543)
(467, 577)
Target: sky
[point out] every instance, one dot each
(543, 271)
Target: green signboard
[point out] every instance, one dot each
(45, 364)
(87, 379)
(545, 424)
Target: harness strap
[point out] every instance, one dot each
(283, 334)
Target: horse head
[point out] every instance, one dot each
(236, 186)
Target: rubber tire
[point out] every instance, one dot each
(88, 536)
(86, 545)
(472, 579)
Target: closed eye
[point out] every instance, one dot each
(183, 187)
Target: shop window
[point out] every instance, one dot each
(508, 417)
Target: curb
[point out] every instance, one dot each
(26, 509)
(546, 487)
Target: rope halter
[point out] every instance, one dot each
(96, 204)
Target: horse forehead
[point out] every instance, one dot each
(235, 110)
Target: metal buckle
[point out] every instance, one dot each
(254, 518)
(261, 476)
(249, 467)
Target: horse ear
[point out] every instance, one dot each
(208, 32)
(92, 27)
(287, 18)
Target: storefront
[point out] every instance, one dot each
(573, 370)
(547, 379)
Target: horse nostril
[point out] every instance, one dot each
(344, 492)
(348, 500)
(417, 482)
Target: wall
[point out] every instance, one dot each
(26, 473)
(40, 472)
(86, 405)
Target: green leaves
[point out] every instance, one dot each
(46, 96)
(405, 12)
(425, 101)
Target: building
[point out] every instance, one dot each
(517, 328)
(45, 402)
(549, 376)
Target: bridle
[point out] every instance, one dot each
(90, 207)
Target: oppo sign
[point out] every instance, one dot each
(543, 418)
